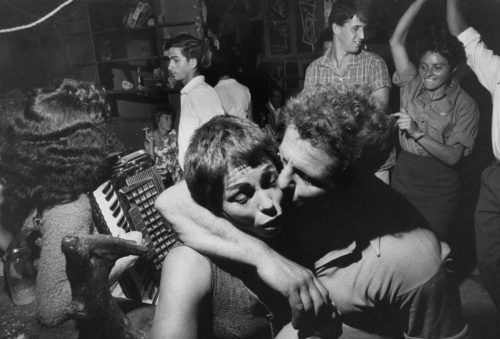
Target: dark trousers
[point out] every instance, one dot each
(487, 224)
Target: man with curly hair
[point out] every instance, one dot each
(367, 246)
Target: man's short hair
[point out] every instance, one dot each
(222, 144)
(191, 48)
(344, 10)
(344, 122)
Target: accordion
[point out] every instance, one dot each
(126, 201)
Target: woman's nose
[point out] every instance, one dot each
(266, 204)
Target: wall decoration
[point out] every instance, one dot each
(279, 27)
(308, 17)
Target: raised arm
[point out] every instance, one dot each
(455, 18)
(213, 236)
(398, 38)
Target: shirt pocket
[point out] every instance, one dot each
(439, 125)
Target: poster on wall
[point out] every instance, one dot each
(279, 27)
(308, 25)
(327, 8)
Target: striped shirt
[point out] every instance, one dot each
(363, 68)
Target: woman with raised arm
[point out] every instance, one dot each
(437, 122)
(53, 155)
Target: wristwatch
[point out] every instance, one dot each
(418, 135)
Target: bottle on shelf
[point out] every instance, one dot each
(140, 82)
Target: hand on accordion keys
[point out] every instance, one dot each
(124, 263)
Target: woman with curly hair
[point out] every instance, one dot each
(438, 124)
(53, 154)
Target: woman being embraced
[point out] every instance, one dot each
(438, 124)
(54, 154)
(231, 168)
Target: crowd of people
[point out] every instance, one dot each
(296, 219)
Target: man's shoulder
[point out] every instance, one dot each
(411, 241)
(411, 258)
(317, 62)
(371, 57)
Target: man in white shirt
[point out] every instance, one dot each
(486, 66)
(199, 102)
(234, 97)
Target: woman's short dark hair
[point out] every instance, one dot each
(163, 109)
(192, 48)
(222, 144)
(55, 149)
(344, 10)
(445, 44)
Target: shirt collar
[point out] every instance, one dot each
(354, 60)
(447, 101)
(197, 80)
(226, 81)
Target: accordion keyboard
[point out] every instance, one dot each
(113, 213)
(141, 196)
(126, 203)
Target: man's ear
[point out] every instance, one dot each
(335, 28)
(193, 63)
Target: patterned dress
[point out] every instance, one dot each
(166, 153)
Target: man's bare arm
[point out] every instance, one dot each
(200, 229)
(455, 18)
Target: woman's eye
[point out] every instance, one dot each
(241, 199)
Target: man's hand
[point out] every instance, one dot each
(308, 299)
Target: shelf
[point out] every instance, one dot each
(126, 30)
(100, 49)
(141, 96)
(176, 24)
(134, 29)
(119, 61)
(122, 60)
(116, 92)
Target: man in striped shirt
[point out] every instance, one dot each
(346, 61)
